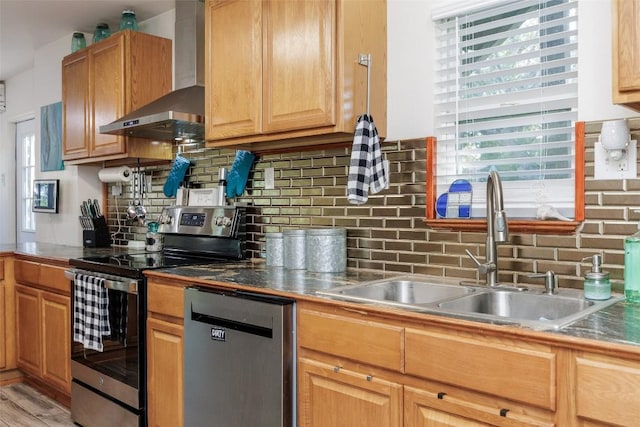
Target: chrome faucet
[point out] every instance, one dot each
(497, 230)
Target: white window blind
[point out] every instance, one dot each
(506, 100)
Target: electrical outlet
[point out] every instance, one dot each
(269, 179)
(606, 168)
(116, 190)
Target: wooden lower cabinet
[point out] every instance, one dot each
(43, 325)
(165, 373)
(7, 320)
(430, 376)
(454, 409)
(28, 330)
(165, 353)
(55, 311)
(334, 397)
(607, 391)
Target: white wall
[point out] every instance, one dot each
(26, 93)
(410, 68)
(410, 111)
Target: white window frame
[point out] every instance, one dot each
(26, 167)
(521, 197)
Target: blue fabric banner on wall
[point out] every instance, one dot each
(51, 137)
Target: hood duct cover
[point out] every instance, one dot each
(179, 115)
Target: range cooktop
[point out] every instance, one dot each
(132, 265)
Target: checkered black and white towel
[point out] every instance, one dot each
(91, 311)
(366, 170)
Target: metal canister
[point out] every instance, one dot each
(295, 249)
(274, 249)
(327, 250)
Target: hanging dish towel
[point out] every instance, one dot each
(91, 311)
(366, 170)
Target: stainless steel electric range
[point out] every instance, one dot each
(109, 384)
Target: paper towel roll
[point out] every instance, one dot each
(119, 174)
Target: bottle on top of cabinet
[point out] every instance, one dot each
(128, 20)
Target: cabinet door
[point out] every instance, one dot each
(299, 54)
(75, 105)
(607, 390)
(107, 97)
(29, 349)
(332, 397)
(233, 82)
(56, 340)
(165, 373)
(429, 408)
(628, 57)
(3, 339)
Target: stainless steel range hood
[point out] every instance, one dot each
(179, 115)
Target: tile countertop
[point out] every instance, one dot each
(60, 252)
(618, 323)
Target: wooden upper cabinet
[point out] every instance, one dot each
(283, 74)
(75, 95)
(625, 38)
(105, 81)
(299, 53)
(107, 96)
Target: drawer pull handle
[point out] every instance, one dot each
(503, 412)
(369, 378)
(336, 369)
(441, 395)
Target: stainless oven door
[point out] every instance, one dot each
(115, 371)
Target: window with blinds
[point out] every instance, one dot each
(506, 100)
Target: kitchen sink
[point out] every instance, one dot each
(529, 308)
(532, 308)
(407, 292)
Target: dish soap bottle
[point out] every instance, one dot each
(596, 282)
(632, 267)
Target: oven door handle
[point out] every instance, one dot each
(129, 286)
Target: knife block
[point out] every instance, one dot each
(98, 237)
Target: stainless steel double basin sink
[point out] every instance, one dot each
(503, 304)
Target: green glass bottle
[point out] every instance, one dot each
(632, 267)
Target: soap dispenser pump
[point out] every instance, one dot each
(596, 282)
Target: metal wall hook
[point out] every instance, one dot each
(365, 59)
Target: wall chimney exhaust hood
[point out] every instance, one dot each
(179, 115)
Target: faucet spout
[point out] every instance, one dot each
(497, 225)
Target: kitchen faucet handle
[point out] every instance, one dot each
(482, 268)
(550, 281)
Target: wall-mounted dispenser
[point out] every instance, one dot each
(615, 154)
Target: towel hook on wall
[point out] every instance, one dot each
(365, 59)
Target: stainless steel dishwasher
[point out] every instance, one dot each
(238, 359)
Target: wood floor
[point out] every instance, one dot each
(22, 406)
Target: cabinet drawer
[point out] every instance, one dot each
(165, 299)
(608, 391)
(27, 272)
(1, 269)
(53, 278)
(491, 366)
(366, 341)
(422, 407)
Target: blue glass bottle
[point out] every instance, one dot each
(128, 20)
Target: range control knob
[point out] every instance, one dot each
(219, 221)
(226, 221)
